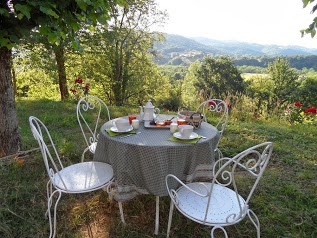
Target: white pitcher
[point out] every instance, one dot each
(147, 112)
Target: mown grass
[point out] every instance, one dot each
(285, 200)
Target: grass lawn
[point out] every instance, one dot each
(285, 200)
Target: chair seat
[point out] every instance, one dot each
(83, 177)
(92, 147)
(223, 203)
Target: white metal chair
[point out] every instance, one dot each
(220, 203)
(215, 108)
(217, 111)
(89, 115)
(77, 178)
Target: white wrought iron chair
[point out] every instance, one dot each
(77, 178)
(218, 109)
(220, 203)
(89, 115)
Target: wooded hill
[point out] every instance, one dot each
(179, 50)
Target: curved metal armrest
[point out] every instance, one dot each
(173, 194)
(219, 164)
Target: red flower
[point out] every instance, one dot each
(298, 104)
(79, 81)
(311, 110)
(212, 103)
(79, 88)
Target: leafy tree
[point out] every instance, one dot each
(259, 89)
(307, 91)
(311, 29)
(31, 82)
(284, 83)
(145, 80)
(124, 47)
(218, 77)
(55, 19)
(35, 69)
(189, 91)
(55, 54)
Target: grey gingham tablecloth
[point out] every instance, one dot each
(141, 162)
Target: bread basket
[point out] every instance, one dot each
(191, 117)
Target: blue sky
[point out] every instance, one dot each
(257, 21)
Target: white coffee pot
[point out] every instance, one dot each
(148, 111)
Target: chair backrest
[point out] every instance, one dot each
(90, 115)
(243, 171)
(220, 200)
(50, 155)
(215, 108)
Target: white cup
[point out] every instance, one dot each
(122, 124)
(135, 123)
(185, 130)
(173, 127)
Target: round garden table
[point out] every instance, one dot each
(141, 161)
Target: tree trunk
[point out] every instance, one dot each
(14, 79)
(60, 61)
(10, 140)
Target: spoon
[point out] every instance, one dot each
(130, 135)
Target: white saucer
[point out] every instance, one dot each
(115, 129)
(178, 135)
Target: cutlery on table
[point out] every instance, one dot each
(130, 135)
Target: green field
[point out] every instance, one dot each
(285, 200)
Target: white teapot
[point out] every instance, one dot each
(148, 111)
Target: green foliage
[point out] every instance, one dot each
(251, 69)
(79, 88)
(186, 51)
(146, 81)
(127, 73)
(189, 91)
(284, 83)
(32, 82)
(259, 64)
(218, 77)
(54, 18)
(259, 89)
(298, 114)
(307, 89)
(312, 27)
(295, 113)
(287, 190)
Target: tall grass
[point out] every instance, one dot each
(285, 200)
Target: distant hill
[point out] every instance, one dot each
(180, 50)
(236, 48)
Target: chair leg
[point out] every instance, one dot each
(254, 219)
(157, 215)
(121, 212)
(49, 204)
(111, 192)
(48, 195)
(212, 235)
(170, 219)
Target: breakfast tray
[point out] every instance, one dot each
(148, 125)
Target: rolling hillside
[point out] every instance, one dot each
(179, 50)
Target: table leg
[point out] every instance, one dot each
(157, 215)
(121, 212)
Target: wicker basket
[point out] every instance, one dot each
(191, 117)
